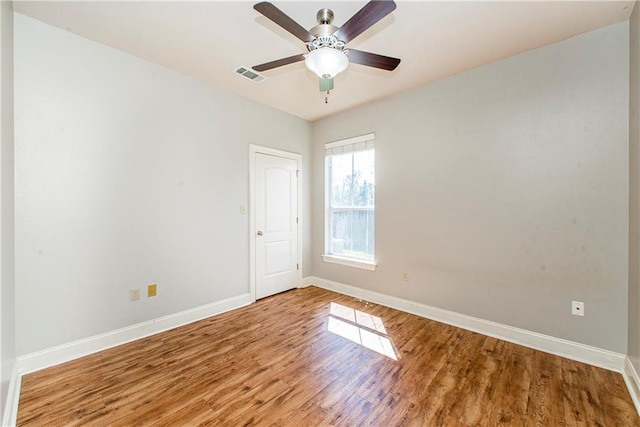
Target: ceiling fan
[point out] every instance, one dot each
(326, 43)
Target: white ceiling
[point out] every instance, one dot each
(209, 39)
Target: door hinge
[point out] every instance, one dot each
(297, 266)
(297, 173)
(296, 220)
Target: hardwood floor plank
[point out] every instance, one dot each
(197, 414)
(288, 360)
(581, 401)
(475, 391)
(397, 412)
(545, 403)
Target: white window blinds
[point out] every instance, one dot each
(357, 143)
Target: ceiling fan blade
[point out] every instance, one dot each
(372, 60)
(279, 62)
(371, 13)
(280, 18)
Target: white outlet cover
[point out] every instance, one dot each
(577, 308)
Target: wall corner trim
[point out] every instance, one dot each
(76, 349)
(572, 350)
(13, 397)
(632, 380)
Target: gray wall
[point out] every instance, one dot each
(503, 191)
(7, 278)
(127, 174)
(634, 188)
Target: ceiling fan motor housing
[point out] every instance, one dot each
(325, 41)
(324, 31)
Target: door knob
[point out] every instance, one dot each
(259, 233)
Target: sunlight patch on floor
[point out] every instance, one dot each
(361, 328)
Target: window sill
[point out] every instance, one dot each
(349, 262)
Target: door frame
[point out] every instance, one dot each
(253, 150)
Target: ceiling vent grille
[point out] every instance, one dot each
(250, 74)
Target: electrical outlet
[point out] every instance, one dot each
(152, 290)
(134, 294)
(405, 276)
(577, 308)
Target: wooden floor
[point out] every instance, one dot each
(277, 363)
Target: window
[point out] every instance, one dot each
(350, 196)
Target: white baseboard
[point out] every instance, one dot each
(572, 350)
(13, 397)
(73, 350)
(632, 380)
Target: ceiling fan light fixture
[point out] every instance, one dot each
(326, 62)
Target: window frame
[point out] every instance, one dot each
(365, 141)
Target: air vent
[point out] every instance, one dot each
(250, 74)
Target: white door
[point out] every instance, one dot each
(276, 220)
